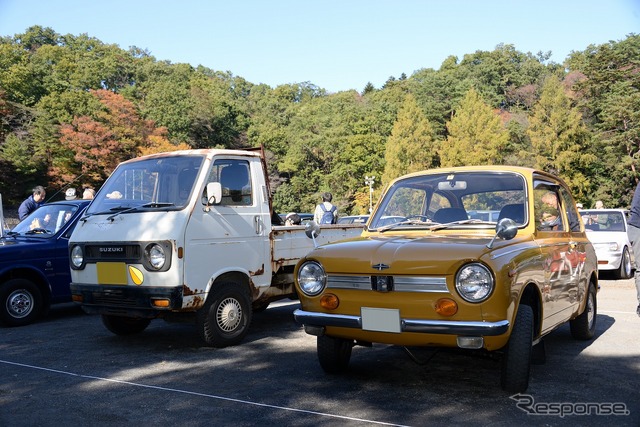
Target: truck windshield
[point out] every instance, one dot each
(461, 199)
(152, 183)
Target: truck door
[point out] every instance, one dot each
(232, 235)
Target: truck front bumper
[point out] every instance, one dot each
(126, 300)
(315, 322)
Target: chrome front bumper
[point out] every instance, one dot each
(447, 327)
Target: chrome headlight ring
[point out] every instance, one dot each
(474, 282)
(311, 278)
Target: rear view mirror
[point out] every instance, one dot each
(452, 185)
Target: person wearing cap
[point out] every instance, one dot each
(292, 218)
(70, 194)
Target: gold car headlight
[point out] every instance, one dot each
(474, 282)
(311, 278)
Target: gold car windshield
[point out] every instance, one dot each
(463, 199)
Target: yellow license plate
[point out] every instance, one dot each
(112, 273)
(380, 319)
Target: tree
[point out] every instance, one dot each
(476, 135)
(412, 145)
(559, 140)
(97, 144)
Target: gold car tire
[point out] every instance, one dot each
(583, 327)
(334, 354)
(516, 360)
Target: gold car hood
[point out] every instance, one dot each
(431, 254)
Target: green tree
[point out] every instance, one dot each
(412, 145)
(477, 135)
(559, 139)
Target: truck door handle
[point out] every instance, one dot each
(258, 224)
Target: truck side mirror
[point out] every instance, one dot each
(312, 230)
(212, 194)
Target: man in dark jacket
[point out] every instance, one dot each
(32, 202)
(634, 237)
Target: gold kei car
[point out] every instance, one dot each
(439, 278)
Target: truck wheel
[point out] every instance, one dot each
(334, 354)
(516, 360)
(21, 302)
(583, 327)
(225, 318)
(120, 325)
(624, 271)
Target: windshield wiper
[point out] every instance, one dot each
(122, 209)
(460, 222)
(11, 234)
(405, 222)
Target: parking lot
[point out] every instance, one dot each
(69, 370)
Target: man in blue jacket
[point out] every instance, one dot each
(32, 202)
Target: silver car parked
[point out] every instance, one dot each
(607, 230)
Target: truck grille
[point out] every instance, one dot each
(112, 252)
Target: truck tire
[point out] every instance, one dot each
(625, 269)
(516, 360)
(120, 325)
(21, 301)
(583, 327)
(334, 354)
(226, 315)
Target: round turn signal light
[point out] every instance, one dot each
(446, 307)
(329, 301)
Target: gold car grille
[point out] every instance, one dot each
(400, 283)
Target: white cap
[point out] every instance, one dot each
(70, 194)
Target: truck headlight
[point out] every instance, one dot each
(311, 278)
(474, 282)
(155, 255)
(77, 257)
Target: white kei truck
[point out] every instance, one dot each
(188, 234)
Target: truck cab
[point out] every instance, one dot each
(185, 233)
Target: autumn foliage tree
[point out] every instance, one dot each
(96, 144)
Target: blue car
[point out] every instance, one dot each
(34, 262)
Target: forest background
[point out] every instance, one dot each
(72, 108)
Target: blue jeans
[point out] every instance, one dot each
(634, 237)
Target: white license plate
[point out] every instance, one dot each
(380, 319)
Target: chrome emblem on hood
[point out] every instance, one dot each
(380, 266)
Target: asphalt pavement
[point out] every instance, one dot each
(68, 370)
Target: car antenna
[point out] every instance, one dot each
(64, 187)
